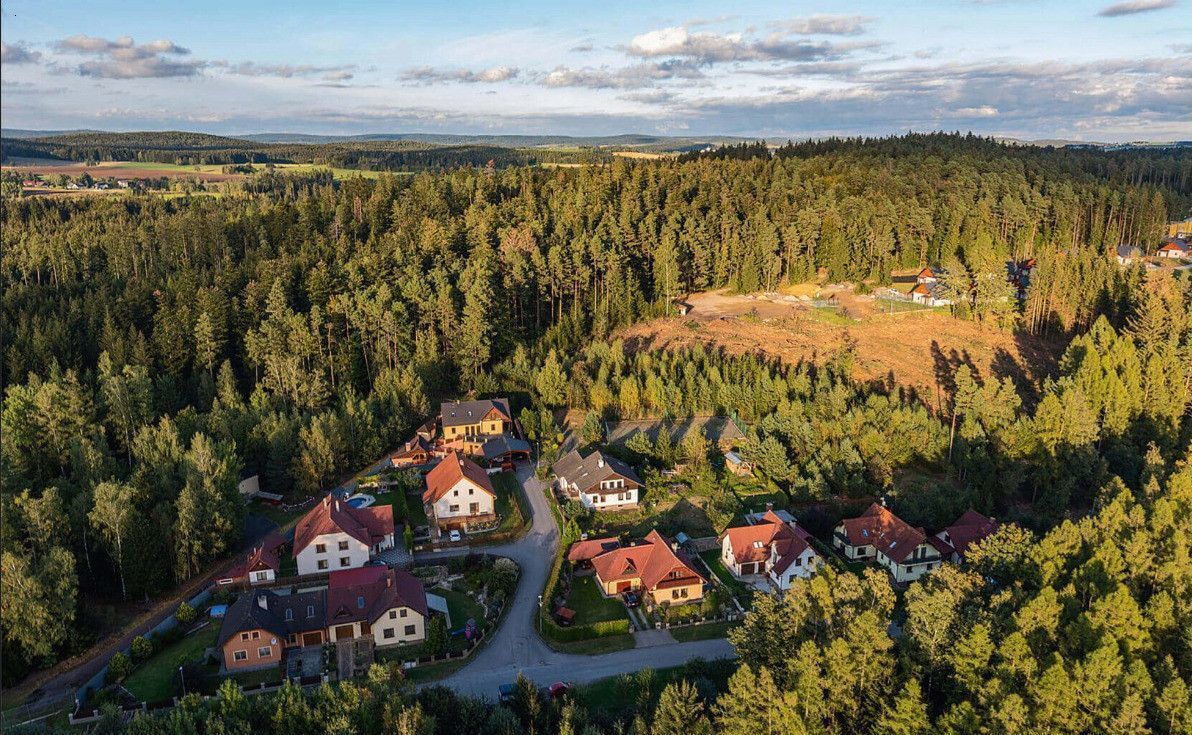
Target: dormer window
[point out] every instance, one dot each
(289, 614)
(360, 602)
(758, 544)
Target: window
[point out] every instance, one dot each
(471, 491)
(360, 602)
(289, 614)
(453, 509)
(264, 651)
(240, 656)
(758, 544)
(244, 636)
(410, 630)
(798, 561)
(310, 611)
(343, 545)
(256, 634)
(474, 508)
(388, 633)
(261, 576)
(345, 561)
(455, 493)
(322, 563)
(683, 592)
(393, 614)
(402, 612)
(320, 548)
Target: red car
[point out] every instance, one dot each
(558, 690)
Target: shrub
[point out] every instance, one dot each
(601, 629)
(408, 535)
(119, 667)
(141, 649)
(186, 614)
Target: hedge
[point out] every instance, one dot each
(601, 629)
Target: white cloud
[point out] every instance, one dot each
(122, 58)
(18, 53)
(833, 25)
(709, 48)
(431, 75)
(1132, 7)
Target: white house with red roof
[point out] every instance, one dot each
(260, 565)
(335, 535)
(879, 535)
(387, 603)
(970, 528)
(772, 547)
(663, 572)
(459, 493)
(1174, 248)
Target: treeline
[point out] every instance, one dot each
(187, 149)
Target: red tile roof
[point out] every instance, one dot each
(968, 529)
(883, 530)
(262, 556)
(754, 543)
(367, 525)
(368, 592)
(591, 548)
(653, 561)
(451, 470)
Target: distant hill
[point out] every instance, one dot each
(20, 133)
(657, 142)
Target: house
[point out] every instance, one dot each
(260, 625)
(417, 451)
(1127, 254)
(1173, 248)
(503, 450)
(928, 275)
(387, 603)
(929, 293)
(489, 417)
(261, 566)
(780, 550)
(335, 535)
(1181, 230)
(582, 552)
(681, 307)
(598, 480)
(879, 535)
(969, 528)
(459, 494)
(735, 464)
(653, 566)
(249, 486)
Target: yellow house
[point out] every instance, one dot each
(388, 604)
(652, 566)
(490, 417)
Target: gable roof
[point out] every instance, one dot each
(367, 525)
(462, 413)
(968, 529)
(416, 445)
(652, 561)
(367, 593)
(588, 472)
(1128, 251)
(452, 469)
(883, 530)
(262, 556)
(266, 610)
(589, 549)
(504, 444)
(1174, 245)
(771, 534)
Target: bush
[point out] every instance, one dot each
(119, 667)
(602, 629)
(141, 649)
(186, 614)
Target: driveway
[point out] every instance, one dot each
(516, 646)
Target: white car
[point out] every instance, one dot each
(455, 536)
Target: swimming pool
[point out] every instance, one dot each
(361, 501)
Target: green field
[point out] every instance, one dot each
(154, 680)
(589, 605)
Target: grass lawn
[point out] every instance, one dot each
(250, 679)
(154, 679)
(741, 591)
(617, 695)
(431, 672)
(703, 632)
(509, 502)
(276, 514)
(461, 606)
(589, 605)
(597, 646)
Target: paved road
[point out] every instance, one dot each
(516, 646)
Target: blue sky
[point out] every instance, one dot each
(1101, 70)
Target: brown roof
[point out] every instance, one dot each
(367, 525)
(653, 561)
(262, 556)
(451, 470)
(368, 592)
(968, 529)
(588, 472)
(883, 530)
(463, 413)
(418, 444)
(754, 543)
(591, 548)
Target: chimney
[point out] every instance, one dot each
(262, 602)
(389, 580)
(337, 505)
(769, 506)
(600, 462)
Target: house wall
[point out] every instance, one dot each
(390, 628)
(261, 576)
(674, 595)
(908, 572)
(604, 499)
(809, 562)
(610, 588)
(488, 427)
(357, 553)
(459, 495)
(253, 659)
(727, 558)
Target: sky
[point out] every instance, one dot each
(1107, 70)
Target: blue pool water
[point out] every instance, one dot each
(357, 502)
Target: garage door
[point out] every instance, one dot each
(312, 639)
(344, 632)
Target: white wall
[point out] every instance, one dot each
(463, 493)
(398, 626)
(358, 554)
(809, 562)
(598, 501)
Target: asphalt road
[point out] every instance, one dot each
(516, 647)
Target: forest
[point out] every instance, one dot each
(157, 349)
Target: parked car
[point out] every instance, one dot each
(506, 692)
(455, 536)
(632, 599)
(558, 690)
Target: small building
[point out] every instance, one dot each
(737, 465)
(653, 566)
(772, 547)
(1181, 230)
(1173, 248)
(582, 552)
(681, 307)
(249, 486)
(598, 481)
(929, 275)
(261, 565)
(260, 625)
(879, 535)
(1127, 254)
(970, 528)
(417, 451)
(929, 293)
(505, 449)
(459, 494)
(336, 535)
(386, 603)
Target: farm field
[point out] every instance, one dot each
(153, 170)
(910, 346)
